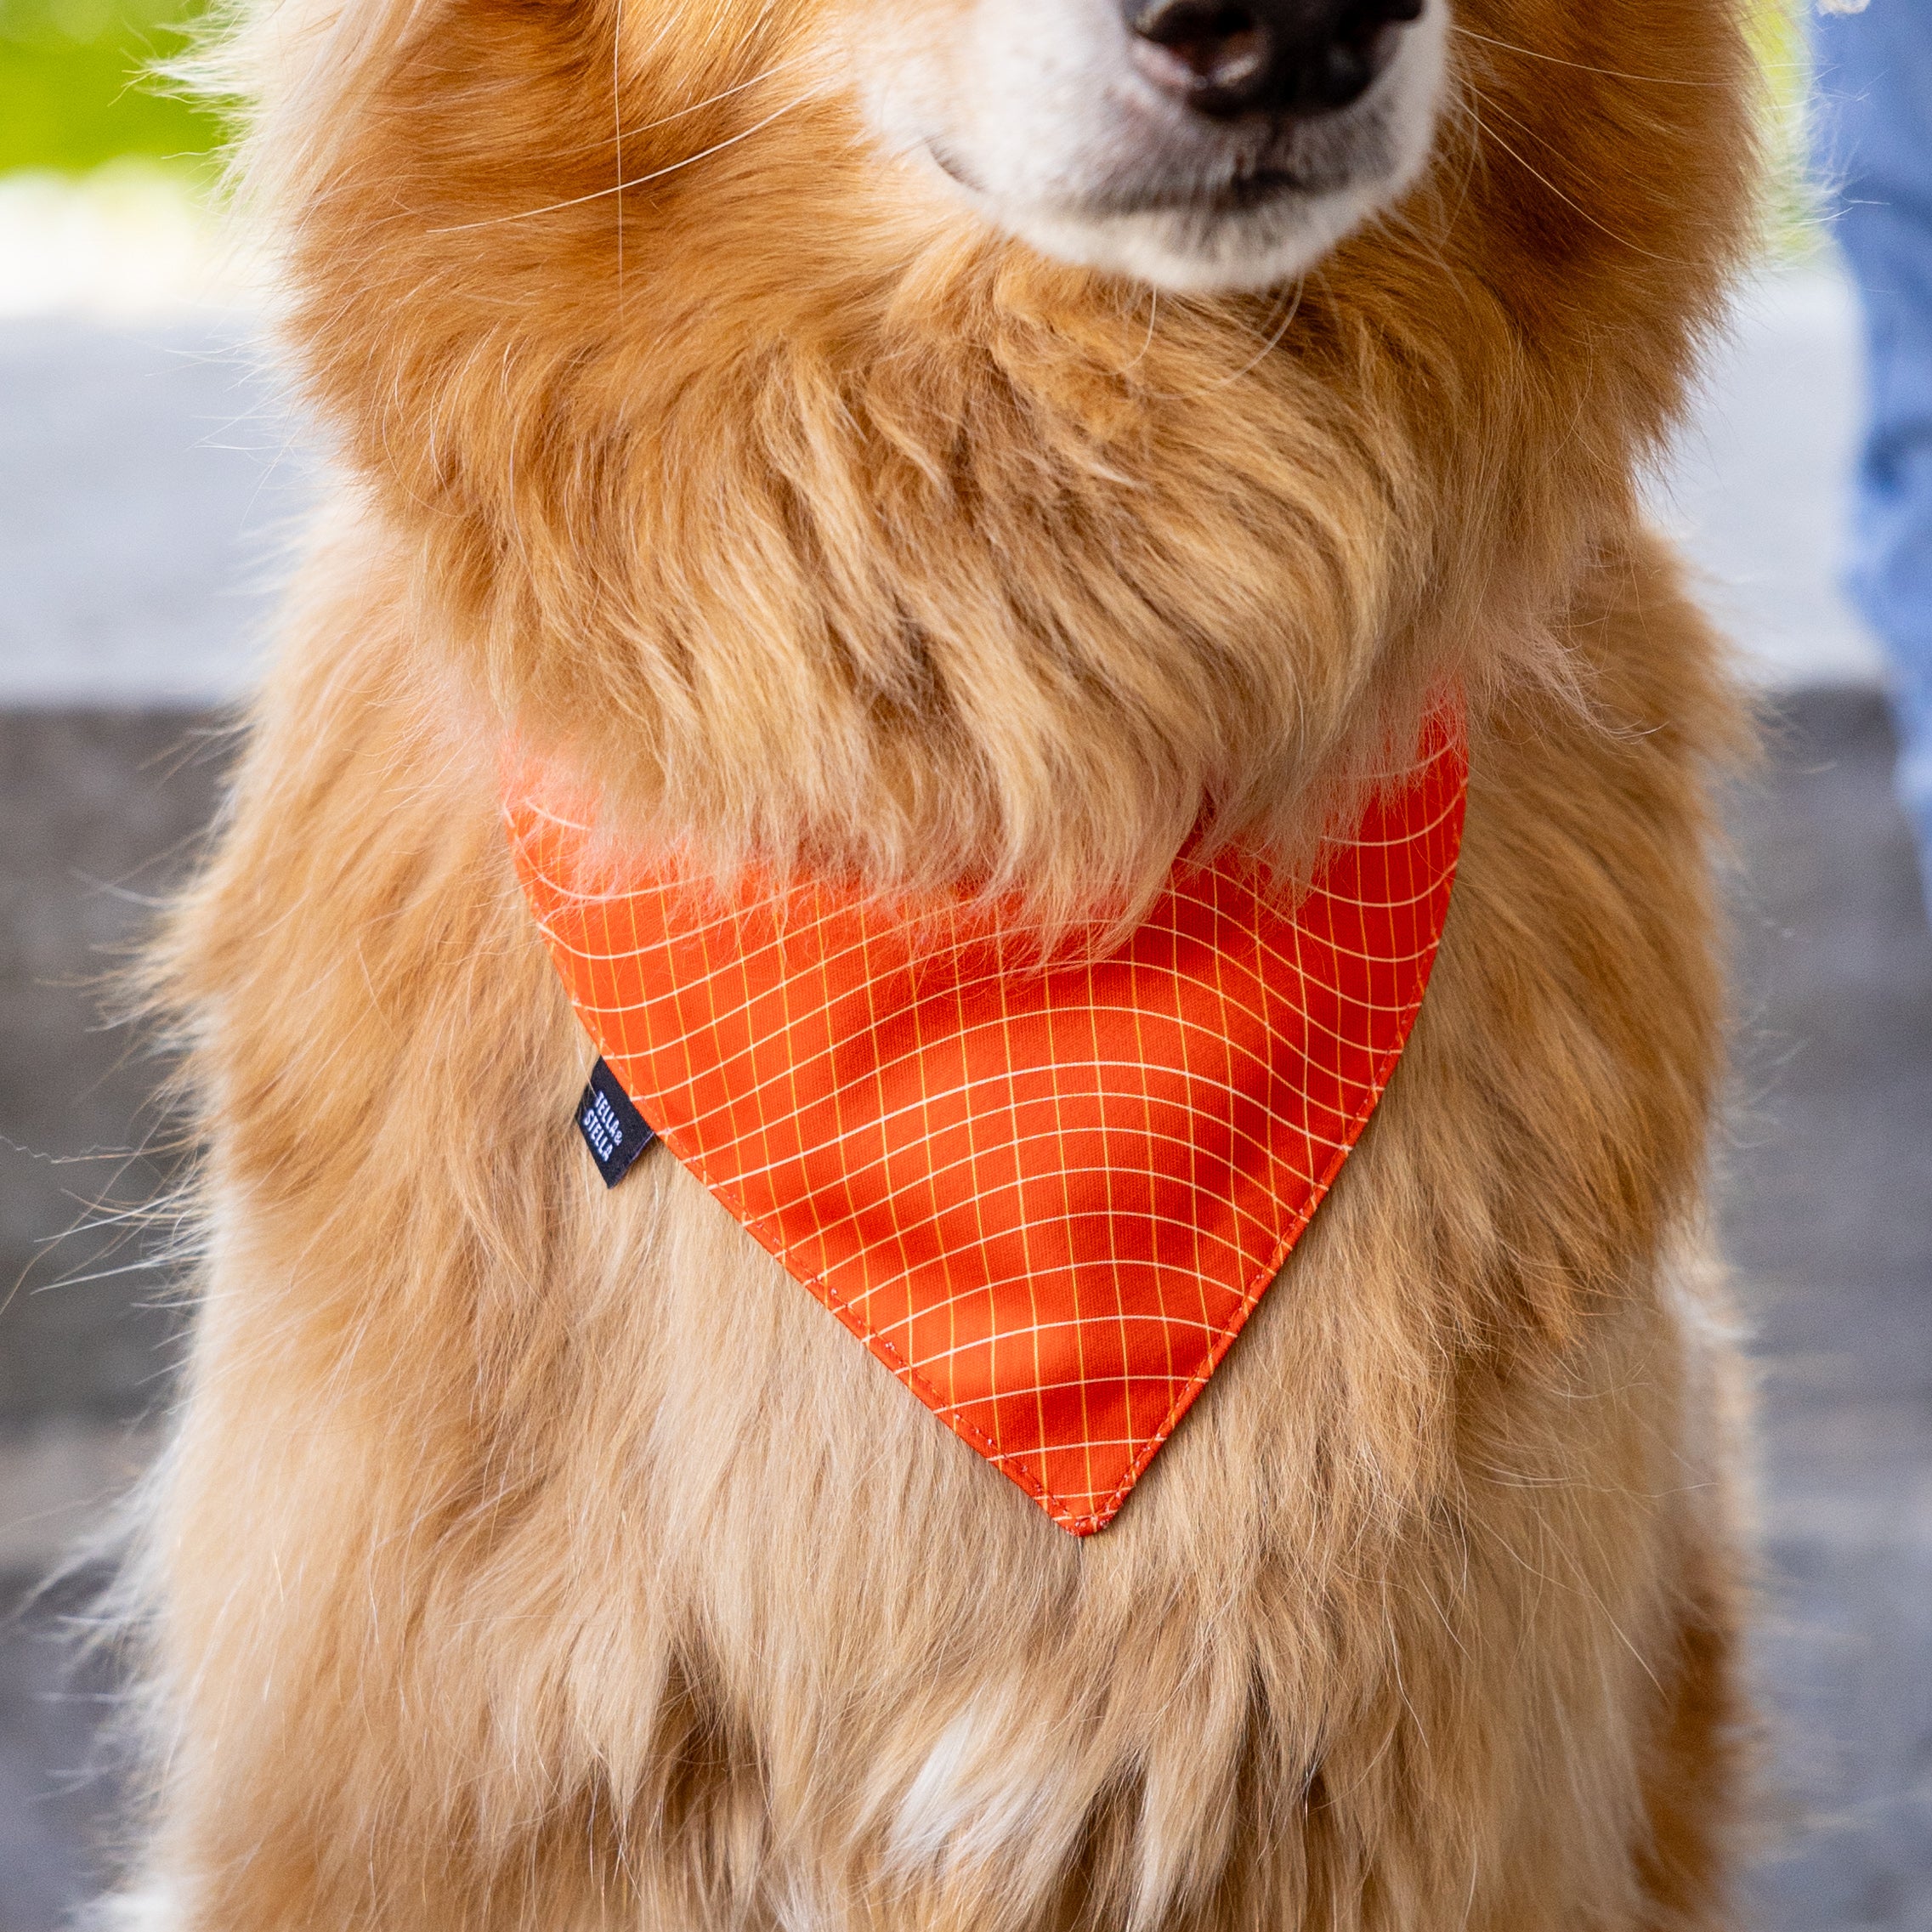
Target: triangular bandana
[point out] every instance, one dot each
(1046, 1194)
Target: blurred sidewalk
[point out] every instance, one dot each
(1757, 491)
(147, 479)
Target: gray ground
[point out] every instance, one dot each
(1827, 1188)
(1828, 1220)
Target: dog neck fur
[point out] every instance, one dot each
(807, 515)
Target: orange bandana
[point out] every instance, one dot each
(1046, 1194)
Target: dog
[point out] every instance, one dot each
(994, 448)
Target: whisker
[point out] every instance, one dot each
(1268, 346)
(1403, 214)
(1582, 66)
(617, 135)
(623, 134)
(711, 100)
(655, 174)
(1154, 315)
(1486, 131)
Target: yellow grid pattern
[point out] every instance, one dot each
(1046, 1192)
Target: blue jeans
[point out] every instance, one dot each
(1873, 119)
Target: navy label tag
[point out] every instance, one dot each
(613, 1129)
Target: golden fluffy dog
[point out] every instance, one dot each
(947, 440)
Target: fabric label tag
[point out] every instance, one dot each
(613, 1129)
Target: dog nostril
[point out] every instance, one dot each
(1231, 57)
(1209, 48)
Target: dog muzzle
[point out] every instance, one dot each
(1045, 1189)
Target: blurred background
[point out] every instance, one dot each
(149, 477)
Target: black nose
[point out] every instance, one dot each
(1231, 57)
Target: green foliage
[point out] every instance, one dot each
(75, 89)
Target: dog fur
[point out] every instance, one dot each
(528, 1555)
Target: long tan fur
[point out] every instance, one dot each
(529, 1555)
